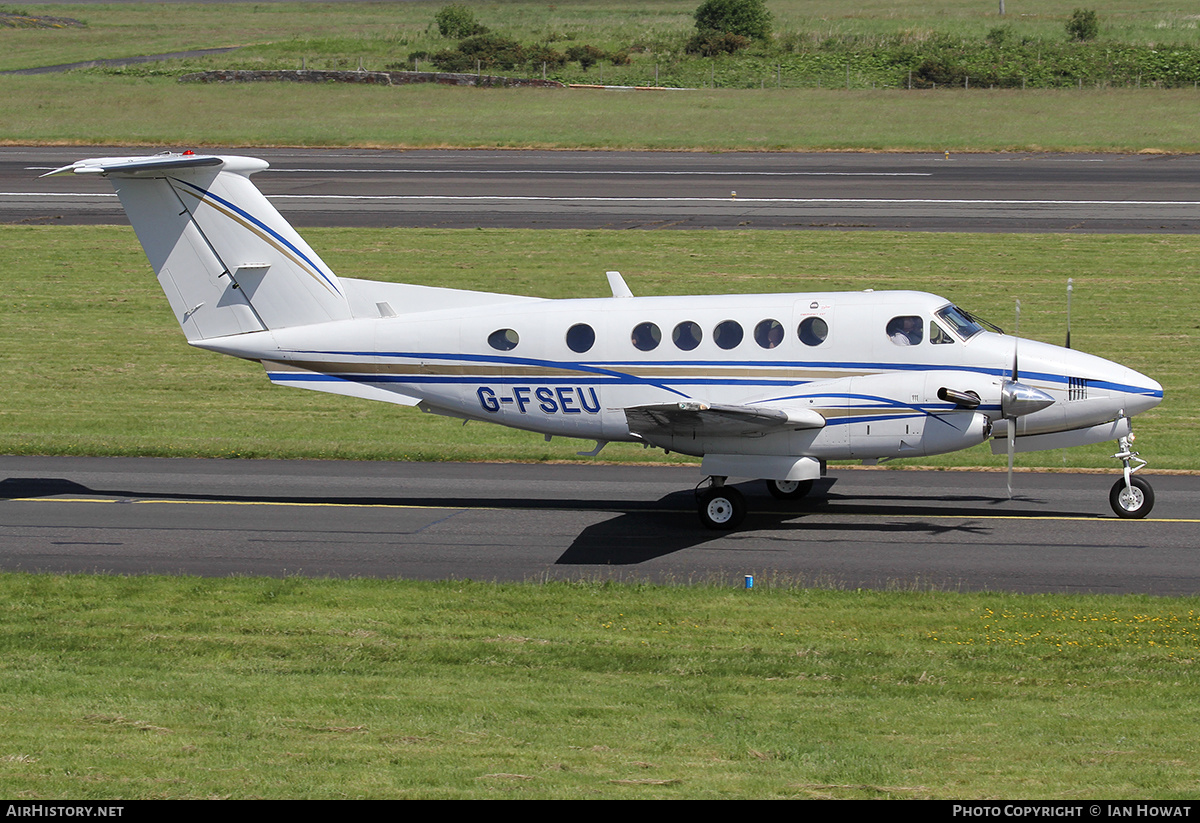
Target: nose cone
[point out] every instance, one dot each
(1141, 393)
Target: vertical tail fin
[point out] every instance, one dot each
(227, 260)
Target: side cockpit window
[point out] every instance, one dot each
(937, 336)
(905, 330)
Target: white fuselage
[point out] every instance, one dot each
(879, 397)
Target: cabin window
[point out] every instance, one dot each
(768, 334)
(937, 336)
(728, 334)
(905, 330)
(503, 339)
(581, 337)
(687, 335)
(813, 331)
(645, 337)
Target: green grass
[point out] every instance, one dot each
(95, 363)
(814, 42)
(155, 687)
(390, 31)
(159, 112)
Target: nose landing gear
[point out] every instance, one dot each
(1130, 497)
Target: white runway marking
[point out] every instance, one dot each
(868, 200)
(924, 201)
(616, 172)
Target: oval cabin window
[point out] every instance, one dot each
(813, 331)
(503, 339)
(728, 334)
(581, 337)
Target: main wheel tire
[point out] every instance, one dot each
(789, 489)
(722, 508)
(1133, 502)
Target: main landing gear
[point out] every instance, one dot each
(789, 489)
(723, 507)
(1130, 496)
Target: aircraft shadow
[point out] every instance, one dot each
(645, 530)
(639, 536)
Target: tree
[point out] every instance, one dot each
(747, 18)
(1083, 25)
(457, 21)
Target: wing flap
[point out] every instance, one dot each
(717, 419)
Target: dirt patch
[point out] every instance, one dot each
(29, 21)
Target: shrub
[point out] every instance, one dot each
(458, 21)
(493, 51)
(537, 55)
(747, 18)
(452, 60)
(710, 43)
(587, 56)
(999, 35)
(1083, 25)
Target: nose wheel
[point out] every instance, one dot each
(1134, 499)
(1130, 497)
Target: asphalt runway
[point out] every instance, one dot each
(667, 190)
(871, 529)
(955, 530)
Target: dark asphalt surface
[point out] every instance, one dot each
(954, 530)
(519, 522)
(665, 190)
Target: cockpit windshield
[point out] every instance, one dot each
(963, 324)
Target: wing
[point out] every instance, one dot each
(717, 420)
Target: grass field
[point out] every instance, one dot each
(241, 688)
(97, 365)
(381, 33)
(156, 110)
(159, 112)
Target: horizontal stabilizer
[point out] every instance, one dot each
(140, 166)
(287, 374)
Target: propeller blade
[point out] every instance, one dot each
(1016, 374)
(1012, 448)
(1070, 287)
